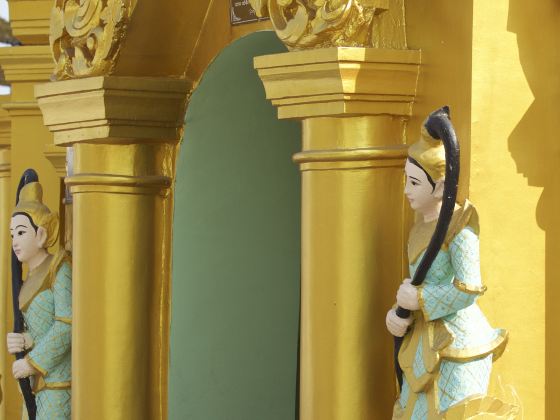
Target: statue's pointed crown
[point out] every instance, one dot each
(31, 203)
(429, 153)
(31, 193)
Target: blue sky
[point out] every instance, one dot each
(4, 9)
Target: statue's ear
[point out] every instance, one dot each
(438, 189)
(41, 237)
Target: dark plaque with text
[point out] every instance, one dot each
(242, 12)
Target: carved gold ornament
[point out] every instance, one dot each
(304, 24)
(86, 35)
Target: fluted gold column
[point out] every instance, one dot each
(353, 103)
(124, 132)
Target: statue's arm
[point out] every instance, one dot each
(55, 345)
(437, 301)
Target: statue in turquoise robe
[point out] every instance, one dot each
(448, 347)
(46, 303)
(448, 353)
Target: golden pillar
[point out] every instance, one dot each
(352, 86)
(354, 103)
(124, 132)
(30, 20)
(5, 249)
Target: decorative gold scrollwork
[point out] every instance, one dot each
(86, 35)
(304, 24)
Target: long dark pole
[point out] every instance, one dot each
(439, 126)
(28, 176)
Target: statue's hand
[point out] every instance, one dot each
(22, 369)
(19, 342)
(396, 325)
(407, 296)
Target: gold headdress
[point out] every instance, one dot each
(430, 154)
(31, 203)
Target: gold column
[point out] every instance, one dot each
(354, 103)
(30, 20)
(5, 250)
(124, 132)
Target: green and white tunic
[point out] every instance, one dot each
(46, 303)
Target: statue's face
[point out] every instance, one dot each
(418, 189)
(26, 243)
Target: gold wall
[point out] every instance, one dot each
(5, 244)
(494, 62)
(499, 74)
(442, 30)
(514, 182)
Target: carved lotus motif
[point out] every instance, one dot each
(303, 24)
(86, 35)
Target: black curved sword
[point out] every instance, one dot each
(439, 126)
(19, 326)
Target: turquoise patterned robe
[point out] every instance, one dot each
(448, 353)
(48, 319)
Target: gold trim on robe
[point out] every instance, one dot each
(38, 368)
(421, 233)
(496, 347)
(58, 385)
(35, 283)
(468, 288)
(434, 339)
(481, 407)
(62, 319)
(40, 279)
(434, 336)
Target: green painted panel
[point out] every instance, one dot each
(236, 249)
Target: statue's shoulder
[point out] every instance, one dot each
(465, 217)
(61, 266)
(463, 222)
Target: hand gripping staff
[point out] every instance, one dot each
(439, 126)
(28, 176)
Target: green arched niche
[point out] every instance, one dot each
(236, 248)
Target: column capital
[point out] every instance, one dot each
(30, 20)
(5, 123)
(28, 63)
(5, 162)
(56, 155)
(343, 81)
(114, 109)
(23, 66)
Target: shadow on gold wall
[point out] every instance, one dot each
(442, 30)
(535, 146)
